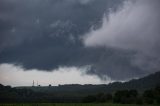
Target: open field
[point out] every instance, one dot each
(73, 104)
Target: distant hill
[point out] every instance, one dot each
(148, 82)
(73, 92)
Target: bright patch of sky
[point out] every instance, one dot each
(17, 76)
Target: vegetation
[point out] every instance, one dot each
(127, 97)
(86, 93)
(73, 104)
(10, 95)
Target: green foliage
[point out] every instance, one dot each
(73, 104)
(98, 98)
(10, 95)
(89, 99)
(112, 93)
(152, 96)
(125, 96)
(157, 94)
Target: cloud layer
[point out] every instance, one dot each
(134, 27)
(46, 34)
(64, 75)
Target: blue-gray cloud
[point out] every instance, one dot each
(134, 27)
(47, 34)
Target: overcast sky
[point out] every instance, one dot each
(78, 41)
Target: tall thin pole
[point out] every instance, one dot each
(33, 83)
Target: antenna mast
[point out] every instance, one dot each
(37, 83)
(33, 83)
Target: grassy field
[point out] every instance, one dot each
(73, 104)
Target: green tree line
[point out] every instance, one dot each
(151, 96)
(10, 95)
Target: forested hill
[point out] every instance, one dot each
(148, 82)
(75, 92)
(141, 84)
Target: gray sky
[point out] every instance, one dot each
(134, 27)
(100, 41)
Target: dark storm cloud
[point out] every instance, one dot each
(135, 28)
(45, 34)
(24, 19)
